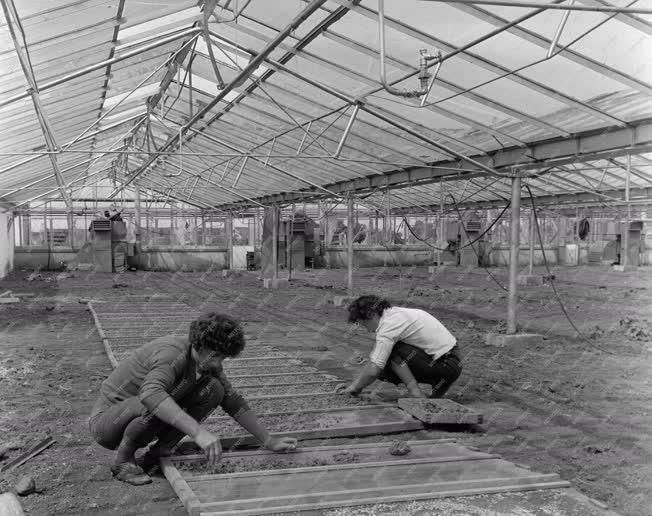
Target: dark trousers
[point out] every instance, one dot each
(440, 373)
(130, 417)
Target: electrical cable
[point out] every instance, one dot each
(552, 283)
(425, 241)
(459, 215)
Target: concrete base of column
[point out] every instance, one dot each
(500, 340)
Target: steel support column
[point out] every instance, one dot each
(514, 246)
(275, 218)
(349, 245)
(531, 242)
(625, 239)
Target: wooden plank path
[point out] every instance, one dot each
(346, 475)
(294, 398)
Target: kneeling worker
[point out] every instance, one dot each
(412, 347)
(165, 389)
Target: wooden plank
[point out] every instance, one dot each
(326, 479)
(289, 396)
(452, 491)
(313, 421)
(278, 369)
(284, 384)
(107, 346)
(310, 370)
(313, 411)
(229, 366)
(294, 388)
(311, 449)
(300, 498)
(32, 452)
(269, 357)
(180, 486)
(339, 467)
(329, 433)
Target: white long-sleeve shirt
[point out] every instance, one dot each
(412, 326)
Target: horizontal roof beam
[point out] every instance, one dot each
(636, 194)
(581, 147)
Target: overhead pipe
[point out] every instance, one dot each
(375, 112)
(423, 69)
(432, 80)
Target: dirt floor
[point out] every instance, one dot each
(565, 406)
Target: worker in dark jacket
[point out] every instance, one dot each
(165, 389)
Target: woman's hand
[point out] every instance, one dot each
(347, 390)
(281, 444)
(211, 445)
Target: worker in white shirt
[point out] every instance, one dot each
(412, 347)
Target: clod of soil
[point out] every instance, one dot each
(345, 457)
(4, 449)
(399, 448)
(25, 486)
(636, 329)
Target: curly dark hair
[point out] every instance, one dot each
(217, 332)
(365, 307)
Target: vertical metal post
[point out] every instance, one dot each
(349, 245)
(290, 243)
(137, 221)
(172, 233)
(149, 233)
(576, 236)
(71, 229)
(441, 223)
(275, 242)
(27, 227)
(326, 228)
(46, 238)
(51, 236)
(531, 236)
(252, 230)
(203, 229)
(625, 238)
(228, 229)
(514, 246)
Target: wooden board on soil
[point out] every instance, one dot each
(347, 422)
(440, 411)
(312, 478)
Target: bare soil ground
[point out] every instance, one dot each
(564, 407)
